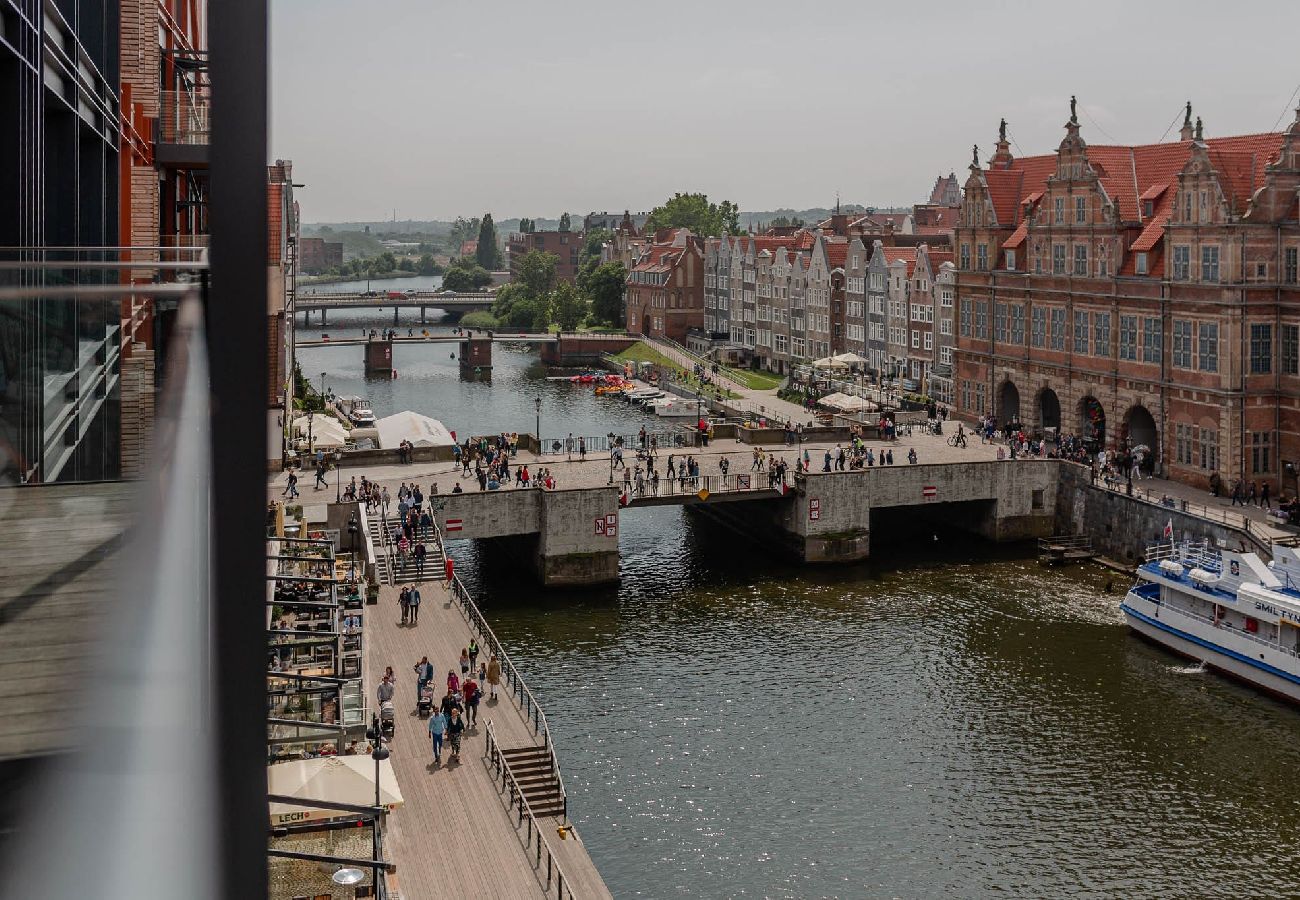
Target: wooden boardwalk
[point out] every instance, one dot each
(63, 547)
(454, 835)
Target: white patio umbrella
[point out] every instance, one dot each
(830, 362)
(851, 359)
(339, 779)
(325, 431)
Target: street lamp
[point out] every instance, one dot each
(537, 407)
(352, 533)
(322, 390)
(379, 753)
(338, 483)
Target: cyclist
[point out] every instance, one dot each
(960, 437)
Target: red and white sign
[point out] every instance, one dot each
(454, 524)
(611, 525)
(742, 482)
(929, 492)
(600, 526)
(814, 509)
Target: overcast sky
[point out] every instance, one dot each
(438, 109)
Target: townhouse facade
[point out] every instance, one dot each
(1139, 296)
(665, 288)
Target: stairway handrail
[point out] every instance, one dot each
(527, 702)
(492, 750)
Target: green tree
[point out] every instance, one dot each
(568, 307)
(506, 297)
(536, 273)
(406, 264)
(604, 289)
(463, 230)
(458, 280)
(694, 211)
(564, 222)
(429, 266)
(786, 222)
(531, 313)
(488, 253)
(527, 226)
(591, 243)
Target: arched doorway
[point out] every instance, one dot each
(1008, 404)
(1049, 410)
(1092, 421)
(1141, 436)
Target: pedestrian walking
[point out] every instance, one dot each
(473, 653)
(423, 675)
(1264, 491)
(386, 689)
(415, 604)
(582, 449)
(469, 690)
(493, 676)
(437, 731)
(404, 600)
(455, 728)
(420, 552)
(292, 490)
(320, 477)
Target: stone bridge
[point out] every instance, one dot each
(570, 537)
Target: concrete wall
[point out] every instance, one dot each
(1021, 498)
(491, 514)
(1122, 527)
(569, 549)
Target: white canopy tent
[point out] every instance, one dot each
(850, 359)
(325, 431)
(829, 362)
(420, 430)
(338, 779)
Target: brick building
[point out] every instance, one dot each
(665, 289)
(317, 255)
(1139, 295)
(563, 245)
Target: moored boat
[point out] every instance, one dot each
(360, 413)
(1232, 611)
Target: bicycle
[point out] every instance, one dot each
(957, 440)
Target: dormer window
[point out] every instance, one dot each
(1011, 260)
(1140, 264)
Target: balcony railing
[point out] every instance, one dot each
(184, 117)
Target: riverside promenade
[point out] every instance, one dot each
(456, 834)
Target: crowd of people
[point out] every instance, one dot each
(455, 713)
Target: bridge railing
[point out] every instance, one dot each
(731, 483)
(666, 441)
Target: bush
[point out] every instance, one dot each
(480, 319)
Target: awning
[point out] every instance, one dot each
(829, 362)
(420, 430)
(851, 359)
(325, 431)
(338, 779)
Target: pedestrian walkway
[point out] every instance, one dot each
(454, 833)
(1199, 502)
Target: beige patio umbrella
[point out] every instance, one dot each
(339, 779)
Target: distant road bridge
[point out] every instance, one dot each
(448, 301)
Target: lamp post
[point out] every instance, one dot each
(322, 390)
(378, 754)
(352, 534)
(338, 482)
(537, 407)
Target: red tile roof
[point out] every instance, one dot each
(1130, 174)
(836, 254)
(1017, 237)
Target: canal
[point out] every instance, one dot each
(948, 720)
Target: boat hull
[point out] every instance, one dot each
(1231, 654)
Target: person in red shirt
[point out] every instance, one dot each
(470, 692)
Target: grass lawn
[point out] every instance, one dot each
(642, 352)
(756, 381)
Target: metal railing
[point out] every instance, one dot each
(734, 483)
(184, 117)
(669, 441)
(528, 704)
(1254, 531)
(533, 838)
(1239, 632)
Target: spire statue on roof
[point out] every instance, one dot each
(1074, 112)
(1200, 133)
(1002, 131)
(1187, 115)
(975, 156)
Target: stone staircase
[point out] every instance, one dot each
(387, 567)
(537, 780)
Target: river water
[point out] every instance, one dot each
(947, 720)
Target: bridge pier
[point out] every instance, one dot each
(475, 355)
(379, 358)
(424, 310)
(394, 316)
(306, 318)
(323, 311)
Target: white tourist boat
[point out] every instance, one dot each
(360, 413)
(1230, 610)
(674, 407)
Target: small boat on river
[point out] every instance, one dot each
(1231, 611)
(360, 413)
